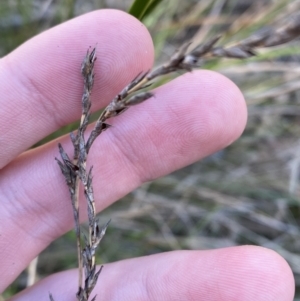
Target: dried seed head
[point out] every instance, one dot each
(258, 39)
(206, 47)
(136, 84)
(238, 52)
(88, 62)
(139, 98)
(75, 170)
(178, 56)
(288, 32)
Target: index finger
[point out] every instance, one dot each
(42, 92)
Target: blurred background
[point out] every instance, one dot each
(248, 193)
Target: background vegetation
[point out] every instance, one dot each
(248, 193)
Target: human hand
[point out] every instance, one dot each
(188, 119)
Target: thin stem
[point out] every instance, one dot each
(75, 202)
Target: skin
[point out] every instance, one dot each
(189, 118)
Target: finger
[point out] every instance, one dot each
(40, 82)
(187, 120)
(239, 273)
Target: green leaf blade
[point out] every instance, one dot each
(141, 8)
